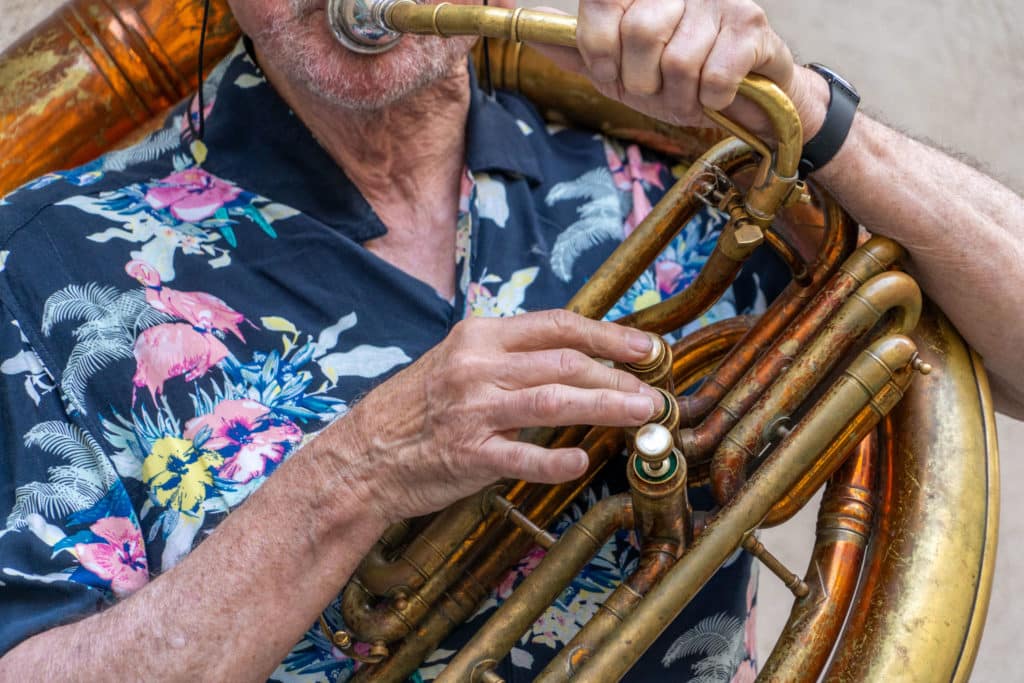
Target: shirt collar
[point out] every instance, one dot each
(256, 141)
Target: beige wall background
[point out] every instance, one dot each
(949, 71)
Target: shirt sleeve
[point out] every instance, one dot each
(69, 540)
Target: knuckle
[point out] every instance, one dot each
(753, 16)
(642, 28)
(679, 65)
(570, 363)
(546, 400)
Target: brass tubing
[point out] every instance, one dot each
(870, 372)
(693, 354)
(557, 29)
(873, 258)
(836, 244)
(456, 591)
(713, 280)
(859, 314)
(630, 259)
(924, 588)
(425, 553)
(522, 25)
(558, 568)
(844, 525)
(654, 562)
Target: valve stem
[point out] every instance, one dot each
(793, 582)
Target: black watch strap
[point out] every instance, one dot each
(842, 106)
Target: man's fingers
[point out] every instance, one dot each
(565, 366)
(598, 38)
(519, 460)
(730, 60)
(562, 329)
(683, 59)
(647, 27)
(558, 405)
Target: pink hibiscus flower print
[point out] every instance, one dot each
(249, 438)
(191, 195)
(120, 559)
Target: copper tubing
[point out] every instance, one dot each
(836, 244)
(858, 315)
(558, 568)
(844, 526)
(871, 259)
(867, 380)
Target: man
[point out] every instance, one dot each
(182, 387)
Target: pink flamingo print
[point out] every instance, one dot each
(203, 311)
(170, 350)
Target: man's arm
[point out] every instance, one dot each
(964, 233)
(239, 602)
(440, 430)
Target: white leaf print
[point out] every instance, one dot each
(41, 578)
(3, 259)
(492, 199)
(363, 361)
(524, 127)
(47, 533)
(69, 488)
(277, 212)
(179, 541)
(521, 658)
(718, 637)
(248, 81)
(328, 338)
(601, 218)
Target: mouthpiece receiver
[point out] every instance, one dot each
(361, 25)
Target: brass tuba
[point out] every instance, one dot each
(849, 378)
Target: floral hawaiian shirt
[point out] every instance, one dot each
(179, 318)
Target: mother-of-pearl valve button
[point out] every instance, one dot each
(653, 443)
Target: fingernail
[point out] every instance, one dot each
(580, 461)
(640, 407)
(604, 71)
(640, 341)
(655, 395)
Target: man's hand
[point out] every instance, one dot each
(446, 426)
(671, 58)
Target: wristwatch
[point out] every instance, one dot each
(842, 105)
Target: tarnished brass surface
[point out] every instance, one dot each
(93, 73)
(922, 507)
(920, 617)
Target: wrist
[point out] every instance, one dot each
(810, 95)
(347, 499)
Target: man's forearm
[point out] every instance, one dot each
(234, 607)
(964, 233)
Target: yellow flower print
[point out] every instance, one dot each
(179, 476)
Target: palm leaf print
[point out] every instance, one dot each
(600, 218)
(78, 485)
(720, 639)
(111, 321)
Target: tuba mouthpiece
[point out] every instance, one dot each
(361, 25)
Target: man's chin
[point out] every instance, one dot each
(330, 72)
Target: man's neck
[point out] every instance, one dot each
(406, 160)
